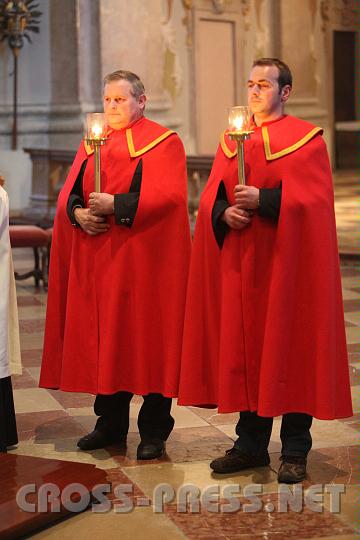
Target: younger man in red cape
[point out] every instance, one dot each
(118, 272)
(264, 329)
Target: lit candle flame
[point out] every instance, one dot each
(238, 123)
(96, 131)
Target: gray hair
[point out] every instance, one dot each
(137, 86)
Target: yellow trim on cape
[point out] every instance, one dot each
(137, 153)
(270, 156)
(228, 153)
(88, 149)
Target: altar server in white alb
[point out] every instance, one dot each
(10, 360)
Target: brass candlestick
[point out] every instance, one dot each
(239, 122)
(96, 137)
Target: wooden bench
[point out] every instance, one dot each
(31, 236)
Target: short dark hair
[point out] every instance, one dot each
(285, 76)
(138, 88)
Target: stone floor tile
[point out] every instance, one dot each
(31, 358)
(339, 465)
(350, 295)
(138, 524)
(200, 475)
(352, 334)
(213, 418)
(25, 380)
(31, 341)
(355, 396)
(45, 426)
(353, 317)
(37, 311)
(349, 506)
(28, 301)
(241, 525)
(73, 400)
(64, 449)
(29, 400)
(354, 373)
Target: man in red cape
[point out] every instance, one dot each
(118, 272)
(264, 329)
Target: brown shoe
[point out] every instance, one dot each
(292, 469)
(236, 460)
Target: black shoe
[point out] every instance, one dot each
(99, 439)
(151, 449)
(236, 460)
(292, 469)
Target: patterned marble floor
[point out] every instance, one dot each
(346, 187)
(50, 422)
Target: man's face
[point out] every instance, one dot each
(120, 106)
(264, 98)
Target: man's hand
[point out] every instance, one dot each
(246, 197)
(89, 223)
(101, 204)
(236, 218)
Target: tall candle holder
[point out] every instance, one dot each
(96, 127)
(240, 131)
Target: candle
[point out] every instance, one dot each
(96, 131)
(239, 131)
(239, 119)
(96, 127)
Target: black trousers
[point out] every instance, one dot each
(154, 419)
(8, 433)
(254, 433)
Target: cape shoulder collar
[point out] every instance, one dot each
(279, 138)
(228, 146)
(141, 137)
(287, 136)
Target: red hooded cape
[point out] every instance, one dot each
(264, 328)
(116, 301)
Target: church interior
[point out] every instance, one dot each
(193, 57)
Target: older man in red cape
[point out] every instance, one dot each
(264, 328)
(118, 272)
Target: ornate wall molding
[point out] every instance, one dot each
(246, 12)
(219, 6)
(187, 21)
(325, 13)
(340, 13)
(173, 73)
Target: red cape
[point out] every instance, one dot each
(116, 301)
(264, 328)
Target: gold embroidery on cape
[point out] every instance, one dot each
(228, 153)
(136, 153)
(270, 156)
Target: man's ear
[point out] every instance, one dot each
(285, 92)
(142, 101)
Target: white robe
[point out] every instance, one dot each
(10, 359)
